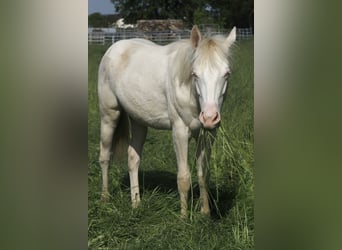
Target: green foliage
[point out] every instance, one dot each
(230, 13)
(224, 13)
(98, 20)
(202, 16)
(156, 223)
(153, 9)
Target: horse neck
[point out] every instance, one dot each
(182, 92)
(181, 62)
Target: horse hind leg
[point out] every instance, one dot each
(109, 122)
(138, 133)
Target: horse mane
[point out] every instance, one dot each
(181, 64)
(210, 51)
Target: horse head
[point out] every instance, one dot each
(210, 74)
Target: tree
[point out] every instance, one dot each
(226, 13)
(95, 20)
(98, 20)
(230, 13)
(133, 10)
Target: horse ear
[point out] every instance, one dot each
(231, 37)
(195, 36)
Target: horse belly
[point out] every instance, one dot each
(146, 117)
(148, 113)
(145, 106)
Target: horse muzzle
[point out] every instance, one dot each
(210, 117)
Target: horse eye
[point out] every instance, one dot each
(193, 74)
(227, 74)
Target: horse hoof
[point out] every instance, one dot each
(105, 197)
(205, 212)
(184, 214)
(135, 204)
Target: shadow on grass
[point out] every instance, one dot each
(221, 199)
(163, 180)
(221, 202)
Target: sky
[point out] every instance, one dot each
(103, 6)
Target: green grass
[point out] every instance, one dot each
(156, 224)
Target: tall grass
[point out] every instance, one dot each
(156, 223)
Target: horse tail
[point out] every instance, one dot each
(121, 136)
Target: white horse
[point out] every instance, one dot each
(179, 87)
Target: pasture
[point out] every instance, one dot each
(156, 223)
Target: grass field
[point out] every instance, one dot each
(156, 224)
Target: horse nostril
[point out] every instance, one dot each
(209, 119)
(217, 117)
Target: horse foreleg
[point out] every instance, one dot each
(180, 135)
(203, 156)
(134, 155)
(202, 173)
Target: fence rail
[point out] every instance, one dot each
(105, 36)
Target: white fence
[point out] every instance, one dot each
(245, 34)
(105, 36)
